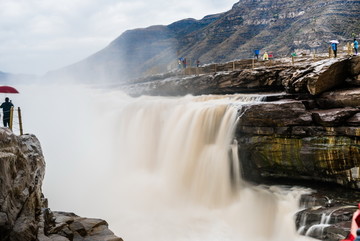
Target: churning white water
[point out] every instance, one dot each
(156, 168)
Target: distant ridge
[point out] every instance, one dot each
(280, 26)
(4, 76)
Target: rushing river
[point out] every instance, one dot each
(156, 168)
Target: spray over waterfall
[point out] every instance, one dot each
(156, 168)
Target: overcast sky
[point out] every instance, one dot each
(41, 35)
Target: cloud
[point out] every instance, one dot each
(41, 35)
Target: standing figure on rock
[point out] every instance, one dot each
(334, 46)
(256, 53)
(266, 56)
(6, 106)
(356, 46)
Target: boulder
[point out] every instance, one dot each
(72, 227)
(317, 77)
(327, 74)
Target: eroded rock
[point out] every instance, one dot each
(24, 215)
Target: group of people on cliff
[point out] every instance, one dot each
(182, 63)
(334, 46)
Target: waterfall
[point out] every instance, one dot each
(317, 229)
(156, 168)
(188, 141)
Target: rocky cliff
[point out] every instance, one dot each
(280, 26)
(24, 213)
(306, 128)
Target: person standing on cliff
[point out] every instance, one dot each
(256, 53)
(266, 56)
(6, 106)
(356, 46)
(334, 47)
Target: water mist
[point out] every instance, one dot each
(156, 168)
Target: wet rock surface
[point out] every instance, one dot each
(285, 139)
(24, 213)
(327, 212)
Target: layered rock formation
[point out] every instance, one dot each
(313, 136)
(24, 215)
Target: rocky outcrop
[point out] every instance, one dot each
(318, 77)
(22, 170)
(305, 77)
(68, 226)
(285, 139)
(24, 215)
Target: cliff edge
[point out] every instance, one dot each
(24, 212)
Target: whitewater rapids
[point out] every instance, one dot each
(156, 168)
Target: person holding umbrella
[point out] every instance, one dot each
(6, 106)
(334, 44)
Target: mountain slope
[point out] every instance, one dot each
(280, 26)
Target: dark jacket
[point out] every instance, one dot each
(6, 106)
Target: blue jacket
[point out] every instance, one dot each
(334, 46)
(356, 44)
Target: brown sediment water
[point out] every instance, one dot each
(156, 168)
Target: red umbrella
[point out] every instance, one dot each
(8, 89)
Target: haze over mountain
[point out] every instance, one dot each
(7, 78)
(280, 26)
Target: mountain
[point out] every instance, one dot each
(280, 26)
(8, 78)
